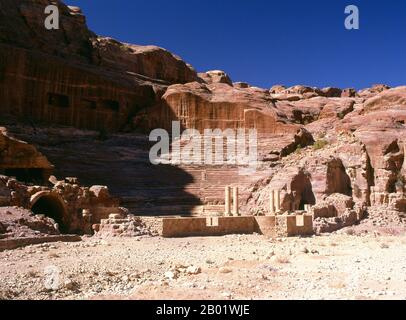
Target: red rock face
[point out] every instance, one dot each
(92, 98)
(202, 106)
(71, 76)
(362, 158)
(22, 25)
(148, 61)
(22, 160)
(217, 76)
(21, 223)
(326, 147)
(379, 124)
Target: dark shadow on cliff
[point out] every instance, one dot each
(122, 163)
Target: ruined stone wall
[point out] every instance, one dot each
(283, 225)
(294, 225)
(73, 207)
(83, 206)
(183, 227)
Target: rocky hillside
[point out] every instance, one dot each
(22, 25)
(340, 150)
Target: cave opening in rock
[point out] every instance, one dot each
(88, 104)
(27, 175)
(58, 100)
(111, 105)
(52, 207)
(338, 181)
(302, 192)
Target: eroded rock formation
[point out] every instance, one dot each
(72, 208)
(339, 151)
(22, 160)
(71, 76)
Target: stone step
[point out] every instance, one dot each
(115, 216)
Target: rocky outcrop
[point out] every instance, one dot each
(22, 160)
(21, 223)
(13, 193)
(22, 25)
(217, 76)
(88, 81)
(373, 91)
(332, 92)
(335, 212)
(218, 105)
(148, 61)
(335, 205)
(341, 151)
(379, 124)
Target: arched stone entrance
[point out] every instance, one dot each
(50, 205)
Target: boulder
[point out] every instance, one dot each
(17, 156)
(335, 205)
(100, 192)
(349, 93)
(332, 92)
(277, 89)
(241, 85)
(216, 76)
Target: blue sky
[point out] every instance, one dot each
(266, 42)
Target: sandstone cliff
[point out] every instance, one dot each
(20, 159)
(339, 150)
(73, 77)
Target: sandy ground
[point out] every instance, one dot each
(230, 267)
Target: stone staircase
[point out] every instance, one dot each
(119, 225)
(122, 163)
(203, 196)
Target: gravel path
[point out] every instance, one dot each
(230, 267)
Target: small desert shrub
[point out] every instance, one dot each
(32, 274)
(320, 144)
(298, 148)
(350, 232)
